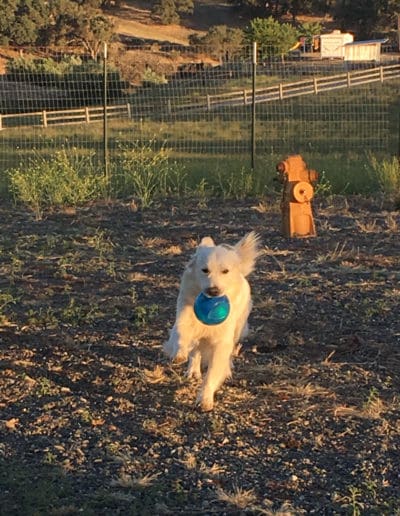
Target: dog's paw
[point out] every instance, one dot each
(206, 403)
(193, 374)
(168, 349)
(180, 357)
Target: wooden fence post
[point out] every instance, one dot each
(87, 115)
(44, 114)
(315, 85)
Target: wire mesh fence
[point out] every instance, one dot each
(200, 108)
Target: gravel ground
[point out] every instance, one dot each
(95, 421)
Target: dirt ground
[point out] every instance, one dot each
(95, 421)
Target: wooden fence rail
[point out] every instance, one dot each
(305, 87)
(47, 118)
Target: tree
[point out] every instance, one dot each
(308, 30)
(7, 19)
(272, 37)
(82, 23)
(220, 41)
(23, 22)
(169, 11)
(40, 22)
(278, 8)
(367, 17)
(166, 11)
(92, 32)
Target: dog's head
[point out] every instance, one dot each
(219, 268)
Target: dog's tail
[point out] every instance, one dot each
(248, 249)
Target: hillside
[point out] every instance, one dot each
(134, 20)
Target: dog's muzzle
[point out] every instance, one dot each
(212, 292)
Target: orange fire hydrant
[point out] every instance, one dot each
(297, 179)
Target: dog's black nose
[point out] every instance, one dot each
(213, 291)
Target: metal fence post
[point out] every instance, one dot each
(105, 122)
(253, 107)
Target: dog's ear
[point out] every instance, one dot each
(207, 242)
(248, 250)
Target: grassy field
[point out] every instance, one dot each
(335, 132)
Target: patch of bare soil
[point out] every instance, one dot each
(95, 421)
(135, 20)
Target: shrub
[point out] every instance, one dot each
(64, 180)
(152, 77)
(387, 174)
(146, 173)
(237, 184)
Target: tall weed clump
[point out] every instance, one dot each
(387, 175)
(146, 174)
(237, 183)
(66, 179)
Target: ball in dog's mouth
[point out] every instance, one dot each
(211, 310)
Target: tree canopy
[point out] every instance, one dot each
(39, 22)
(368, 18)
(84, 22)
(220, 41)
(272, 37)
(170, 11)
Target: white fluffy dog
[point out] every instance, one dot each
(215, 270)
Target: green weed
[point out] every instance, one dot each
(43, 387)
(76, 314)
(237, 184)
(66, 179)
(5, 299)
(387, 175)
(43, 318)
(352, 501)
(142, 315)
(323, 186)
(101, 242)
(146, 174)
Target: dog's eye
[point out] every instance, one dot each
(225, 271)
(205, 270)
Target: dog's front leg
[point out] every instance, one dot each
(194, 368)
(181, 339)
(219, 368)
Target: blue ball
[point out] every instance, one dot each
(211, 310)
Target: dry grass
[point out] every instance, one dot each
(130, 482)
(241, 498)
(137, 22)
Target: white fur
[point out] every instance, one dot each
(225, 268)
